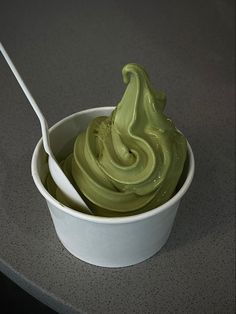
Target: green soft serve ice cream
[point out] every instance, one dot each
(131, 161)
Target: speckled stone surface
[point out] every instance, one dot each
(70, 54)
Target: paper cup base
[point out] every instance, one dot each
(115, 245)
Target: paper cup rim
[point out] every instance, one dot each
(108, 220)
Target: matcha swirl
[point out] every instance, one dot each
(131, 161)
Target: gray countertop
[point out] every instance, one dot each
(70, 54)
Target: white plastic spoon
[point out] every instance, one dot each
(56, 172)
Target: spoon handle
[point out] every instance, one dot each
(43, 122)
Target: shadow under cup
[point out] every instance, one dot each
(104, 241)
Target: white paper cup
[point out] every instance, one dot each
(104, 241)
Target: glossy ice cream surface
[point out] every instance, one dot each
(131, 161)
